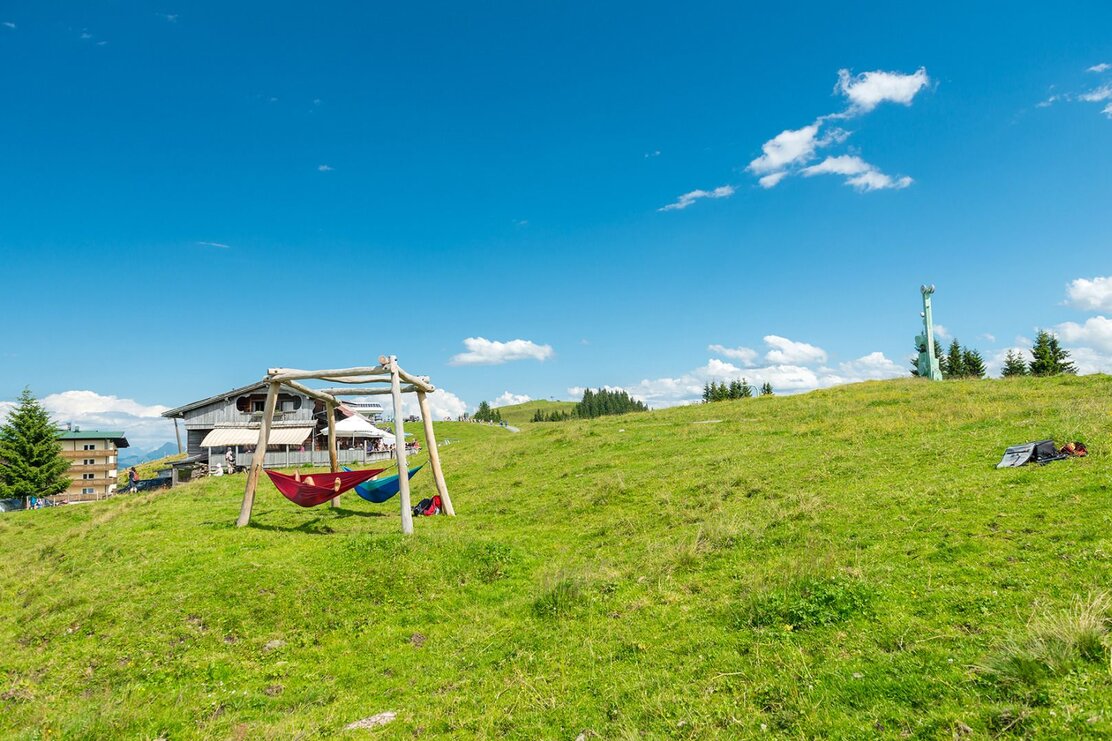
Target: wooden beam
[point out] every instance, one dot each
(259, 456)
(311, 393)
(293, 374)
(177, 434)
(330, 410)
(399, 449)
(367, 392)
(417, 381)
(434, 455)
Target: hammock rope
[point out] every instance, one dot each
(318, 488)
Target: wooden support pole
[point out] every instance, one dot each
(399, 449)
(311, 393)
(343, 375)
(434, 455)
(368, 392)
(417, 381)
(177, 434)
(259, 456)
(333, 465)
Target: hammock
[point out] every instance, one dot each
(379, 491)
(318, 488)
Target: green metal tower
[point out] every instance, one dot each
(928, 358)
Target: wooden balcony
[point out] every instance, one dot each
(78, 468)
(95, 483)
(89, 453)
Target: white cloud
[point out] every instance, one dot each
(869, 89)
(576, 392)
(1104, 92)
(789, 352)
(746, 356)
(86, 35)
(214, 244)
(791, 151)
(771, 181)
(171, 17)
(9, 24)
(861, 175)
(995, 363)
(1095, 332)
(509, 399)
(1102, 67)
(443, 404)
(1088, 360)
(481, 351)
(942, 332)
(722, 191)
(1107, 110)
(872, 367)
(785, 149)
(1091, 295)
(654, 153)
(325, 168)
(987, 337)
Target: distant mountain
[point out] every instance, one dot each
(128, 458)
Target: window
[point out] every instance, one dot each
(87, 476)
(88, 462)
(90, 446)
(259, 406)
(88, 490)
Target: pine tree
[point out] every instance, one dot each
(973, 362)
(31, 462)
(745, 390)
(706, 392)
(766, 389)
(1050, 359)
(483, 413)
(1014, 365)
(955, 363)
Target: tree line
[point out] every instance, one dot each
(600, 403)
(1049, 358)
(487, 413)
(736, 389)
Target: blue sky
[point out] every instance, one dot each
(272, 184)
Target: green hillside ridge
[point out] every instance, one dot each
(845, 563)
(519, 414)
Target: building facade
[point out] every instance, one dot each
(93, 463)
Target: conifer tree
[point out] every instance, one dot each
(745, 391)
(1050, 359)
(973, 363)
(31, 462)
(1014, 365)
(955, 362)
(766, 389)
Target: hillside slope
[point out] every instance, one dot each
(518, 414)
(846, 563)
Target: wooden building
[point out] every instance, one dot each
(230, 421)
(93, 462)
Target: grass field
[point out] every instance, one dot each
(846, 563)
(518, 414)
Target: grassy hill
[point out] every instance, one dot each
(847, 563)
(518, 414)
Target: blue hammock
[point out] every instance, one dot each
(380, 490)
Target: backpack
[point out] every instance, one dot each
(428, 507)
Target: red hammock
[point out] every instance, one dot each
(323, 486)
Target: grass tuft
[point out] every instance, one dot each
(808, 602)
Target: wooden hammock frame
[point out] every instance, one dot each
(387, 371)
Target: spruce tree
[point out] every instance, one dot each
(1014, 365)
(955, 362)
(766, 389)
(1050, 359)
(745, 390)
(974, 364)
(31, 462)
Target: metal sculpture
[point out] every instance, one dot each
(928, 357)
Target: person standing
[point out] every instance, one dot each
(132, 480)
(230, 460)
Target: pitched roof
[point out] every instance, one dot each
(179, 411)
(114, 435)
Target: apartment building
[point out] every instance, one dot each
(93, 462)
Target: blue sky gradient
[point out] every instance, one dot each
(235, 188)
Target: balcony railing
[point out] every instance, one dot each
(76, 468)
(89, 453)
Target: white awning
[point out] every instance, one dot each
(356, 426)
(225, 436)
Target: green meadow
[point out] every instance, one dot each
(846, 563)
(519, 414)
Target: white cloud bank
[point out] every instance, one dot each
(1091, 294)
(142, 424)
(790, 151)
(745, 355)
(722, 191)
(785, 351)
(443, 404)
(481, 351)
(509, 399)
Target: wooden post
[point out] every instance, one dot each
(259, 456)
(333, 465)
(399, 448)
(177, 434)
(434, 455)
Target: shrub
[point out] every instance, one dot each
(808, 602)
(563, 598)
